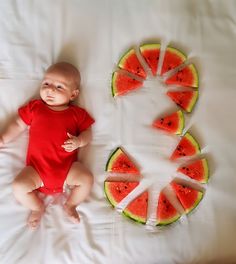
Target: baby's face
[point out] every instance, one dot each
(58, 88)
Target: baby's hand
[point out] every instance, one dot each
(72, 143)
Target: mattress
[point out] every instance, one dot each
(93, 35)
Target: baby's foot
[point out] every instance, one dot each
(72, 213)
(34, 219)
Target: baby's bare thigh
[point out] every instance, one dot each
(29, 178)
(79, 174)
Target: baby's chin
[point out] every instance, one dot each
(56, 106)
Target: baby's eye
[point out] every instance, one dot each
(59, 87)
(46, 84)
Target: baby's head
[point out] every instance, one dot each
(60, 84)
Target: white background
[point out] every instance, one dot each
(93, 35)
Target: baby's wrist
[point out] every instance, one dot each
(79, 142)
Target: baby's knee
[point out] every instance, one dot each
(21, 186)
(86, 180)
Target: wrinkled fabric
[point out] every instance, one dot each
(93, 35)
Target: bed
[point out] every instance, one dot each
(93, 35)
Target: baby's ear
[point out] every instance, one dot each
(75, 93)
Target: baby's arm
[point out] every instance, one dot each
(77, 142)
(12, 131)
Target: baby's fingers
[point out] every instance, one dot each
(67, 146)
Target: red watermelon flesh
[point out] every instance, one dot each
(187, 77)
(188, 197)
(120, 162)
(151, 54)
(184, 99)
(187, 147)
(166, 213)
(131, 63)
(122, 84)
(117, 191)
(172, 59)
(197, 170)
(173, 123)
(137, 209)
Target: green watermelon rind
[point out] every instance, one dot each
(177, 52)
(195, 74)
(149, 46)
(193, 142)
(134, 217)
(182, 122)
(125, 56)
(114, 203)
(206, 170)
(196, 203)
(108, 194)
(112, 157)
(169, 221)
(113, 88)
(118, 151)
(192, 102)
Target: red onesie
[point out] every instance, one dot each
(48, 131)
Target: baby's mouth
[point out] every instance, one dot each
(49, 97)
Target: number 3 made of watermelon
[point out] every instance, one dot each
(130, 77)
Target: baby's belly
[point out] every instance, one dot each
(52, 163)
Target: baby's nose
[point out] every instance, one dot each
(51, 87)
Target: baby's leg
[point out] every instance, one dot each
(23, 188)
(81, 180)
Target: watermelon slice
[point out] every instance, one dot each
(137, 209)
(187, 77)
(120, 162)
(166, 213)
(117, 191)
(188, 197)
(172, 59)
(197, 170)
(130, 62)
(122, 84)
(173, 123)
(184, 99)
(187, 147)
(151, 54)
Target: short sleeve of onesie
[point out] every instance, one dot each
(84, 119)
(26, 112)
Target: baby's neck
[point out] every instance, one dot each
(58, 107)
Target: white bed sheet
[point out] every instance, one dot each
(93, 35)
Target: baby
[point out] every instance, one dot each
(56, 130)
